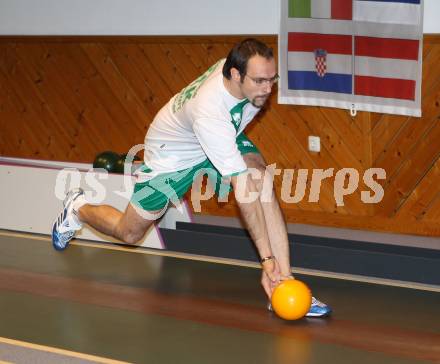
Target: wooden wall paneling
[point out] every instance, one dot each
(198, 56)
(12, 142)
(34, 58)
(127, 128)
(75, 75)
(31, 93)
(322, 160)
(32, 142)
(192, 57)
(432, 215)
(134, 108)
(340, 148)
(334, 154)
(6, 142)
(156, 79)
(406, 139)
(136, 69)
(161, 64)
(39, 119)
(334, 150)
(110, 119)
(15, 145)
(408, 143)
(375, 120)
(54, 90)
(431, 73)
(390, 125)
(427, 47)
(367, 127)
(431, 70)
(180, 67)
(278, 145)
(404, 145)
(347, 130)
(213, 207)
(295, 148)
(277, 148)
(423, 197)
(183, 65)
(294, 131)
(34, 138)
(282, 130)
(431, 38)
(411, 173)
(97, 123)
(10, 106)
(385, 132)
(215, 51)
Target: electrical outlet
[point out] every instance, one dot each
(314, 143)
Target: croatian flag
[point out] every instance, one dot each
(308, 52)
(353, 54)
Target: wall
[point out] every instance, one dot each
(70, 98)
(153, 17)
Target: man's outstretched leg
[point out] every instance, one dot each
(127, 226)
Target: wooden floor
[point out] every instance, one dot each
(133, 306)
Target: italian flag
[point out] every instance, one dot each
(321, 9)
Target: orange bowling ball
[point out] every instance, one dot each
(291, 299)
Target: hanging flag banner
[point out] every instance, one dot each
(352, 54)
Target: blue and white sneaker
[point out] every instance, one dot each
(317, 309)
(67, 223)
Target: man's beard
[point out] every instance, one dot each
(259, 101)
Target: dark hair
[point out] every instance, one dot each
(240, 54)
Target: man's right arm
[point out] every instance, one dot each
(218, 140)
(253, 216)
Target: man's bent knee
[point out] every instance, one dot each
(132, 226)
(132, 238)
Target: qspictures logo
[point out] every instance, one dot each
(167, 187)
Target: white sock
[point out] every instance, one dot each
(79, 202)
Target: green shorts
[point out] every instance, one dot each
(156, 193)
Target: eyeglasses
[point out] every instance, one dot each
(262, 81)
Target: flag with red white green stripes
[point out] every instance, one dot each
(354, 54)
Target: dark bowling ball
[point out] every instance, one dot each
(106, 160)
(119, 167)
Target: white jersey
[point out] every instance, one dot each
(202, 121)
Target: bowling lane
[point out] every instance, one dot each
(139, 307)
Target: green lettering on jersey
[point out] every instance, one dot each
(190, 91)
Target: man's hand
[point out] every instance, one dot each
(271, 276)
